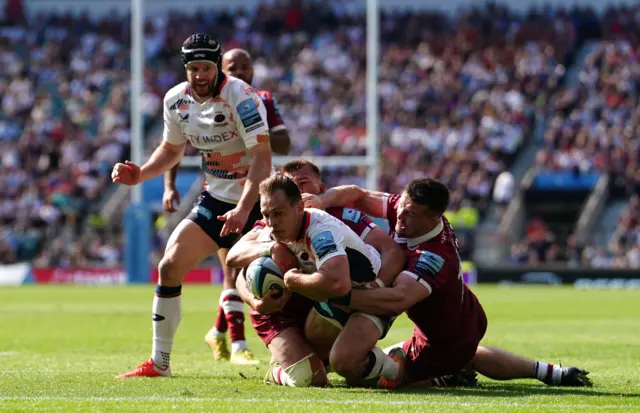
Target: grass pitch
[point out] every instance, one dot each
(60, 348)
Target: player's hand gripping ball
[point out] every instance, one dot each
(267, 273)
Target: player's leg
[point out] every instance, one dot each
(355, 355)
(231, 306)
(294, 362)
(187, 247)
(321, 332)
(499, 364)
(216, 337)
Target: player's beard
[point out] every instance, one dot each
(204, 91)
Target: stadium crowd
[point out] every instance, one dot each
(593, 127)
(458, 97)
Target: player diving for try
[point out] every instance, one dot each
(230, 316)
(226, 121)
(449, 321)
(332, 259)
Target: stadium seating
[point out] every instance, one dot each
(458, 94)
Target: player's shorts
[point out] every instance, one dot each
(338, 316)
(205, 213)
(294, 314)
(426, 361)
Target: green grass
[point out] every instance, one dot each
(60, 348)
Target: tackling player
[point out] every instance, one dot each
(449, 321)
(230, 316)
(226, 121)
(332, 259)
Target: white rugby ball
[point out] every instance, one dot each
(263, 275)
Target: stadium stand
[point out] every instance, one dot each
(459, 98)
(593, 130)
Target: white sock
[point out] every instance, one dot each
(218, 334)
(541, 370)
(383, 366)
(238, 346)
(167, 313)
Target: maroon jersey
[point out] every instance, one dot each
(452, 311)
(274, 119)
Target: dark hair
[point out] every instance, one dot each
(296, 165)
(429, 192)
(283, 183)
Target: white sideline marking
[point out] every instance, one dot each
(8, 353)
(421, 402)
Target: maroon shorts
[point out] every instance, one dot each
(294, 314)
(426, 361)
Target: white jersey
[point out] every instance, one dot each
(322, 237)
(223, 129)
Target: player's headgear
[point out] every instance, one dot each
(201, 47)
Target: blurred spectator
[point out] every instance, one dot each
(504, 190)
(596, 123)
(539, 246)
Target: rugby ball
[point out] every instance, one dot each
(263, 275)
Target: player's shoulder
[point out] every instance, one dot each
(319, 218)
(345, 214)
(264, 94)
(179, 91)
(237, 88)
(426, 261)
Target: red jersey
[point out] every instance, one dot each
(451, 311)
(274, 119)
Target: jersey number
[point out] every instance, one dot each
(225, 166)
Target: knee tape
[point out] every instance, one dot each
(300, 373)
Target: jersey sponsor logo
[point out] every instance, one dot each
(351, 215)
(429, 264)
(202, 139)
(200, 210)
(225, 166)
(183, 118)
(181, 104)
(324, 244)
(249, 115)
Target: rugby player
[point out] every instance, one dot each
(230, 316)
(226, 121)
(332, 259)
(449, 321)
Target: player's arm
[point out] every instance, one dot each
(170, 151)
(392, 257)
(249, 249)
(393, 300)
(332, 280)
(163, 158)
(370, 202)
(244, 291)
(170, 177)
(280, 141)
(278, 132)
(251, 122)
(258, 172)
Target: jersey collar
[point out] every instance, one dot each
(304, 226)
(220, 82)
(414, 242)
